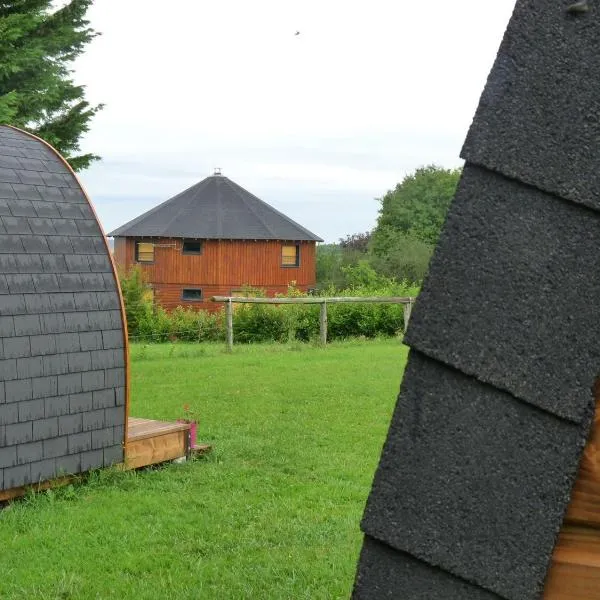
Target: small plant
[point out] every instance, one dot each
(189, 415)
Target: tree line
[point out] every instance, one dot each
(409, 223)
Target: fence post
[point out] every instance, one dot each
(229, 307)
(323, 323)
(407, 311)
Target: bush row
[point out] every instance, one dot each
(264, 322)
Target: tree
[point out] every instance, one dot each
(37, 93)
(416, 208)
(356, 241)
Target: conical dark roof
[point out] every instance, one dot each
(215, 208)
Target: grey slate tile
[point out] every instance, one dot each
(92, 420)
(77, 263)
(54, 263)
(22, 208)
(505, 251)
(93, 459)
(11, 243)
(99, 263)
(36, 304)
(71, 282)
(7, 327)
(30, 367)
(28, 263)
(91, 340)
(102, 438)
(50, 195)
(115, 377)
(43, 470)
(108, 300)
(119, 357)
(52, 179)
(44, 429)
(34, 244)
(8, 369)
(489, 515)
(83, 245)
(537, 117)
(45, 387)
(31, 410)
(68, 424)
(60, 244)
(9, 413)
(27, 325)
(55, 447)
(8, 457)
(120, 396)
(18, 390)
(51, 323)
(16, 347)
(80, 442)
(4, 209)
(88, 227)
(70, 383)
(93, 380)
(119, 434)
(46, 283)
(3, 284)
(45, 209)
(67, 342)
(104, 398)
(43, 226)
(43, 344)
(81, 402)
(28, 453)
(56, 406)
(30, 177)
(109, 282)
(20, 284)
(113, 339)
(114, 416)
(68, 210)
(15, 225)
(57, 364)
(113, 455)
(78, 321)
(6, 190)
(387, 573)
(93, 282)
(66, 227)
(8, 263)
(103, 359)
(8, 175)
(79, 361)
(19, 433)
(68, 465)
(12, 304)
(86, 300)
(62, 301)
(74, 194)
(17, 476)
(100, 319)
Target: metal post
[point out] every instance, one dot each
(407, 311)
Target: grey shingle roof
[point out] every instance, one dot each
(496, 401)
(215, 208)
(62, 356)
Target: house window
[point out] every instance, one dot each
(192, 295)
(192, 247)
(144, 252)
(290, 256)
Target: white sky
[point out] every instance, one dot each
(317, 125)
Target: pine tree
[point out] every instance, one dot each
(37, 92)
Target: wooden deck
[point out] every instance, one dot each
(151, 442)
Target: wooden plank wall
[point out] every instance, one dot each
(223, 266)
(575, 569)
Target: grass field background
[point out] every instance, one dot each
(273, 513)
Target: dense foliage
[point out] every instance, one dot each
(37, 44)
(262, 322)
(400, 246)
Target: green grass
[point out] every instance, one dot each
(273, 513)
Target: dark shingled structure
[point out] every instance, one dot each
(215, 208)
(496, 401)
(62, 344)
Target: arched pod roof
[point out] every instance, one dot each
(63, 384)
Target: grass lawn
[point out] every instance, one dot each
(273, 513)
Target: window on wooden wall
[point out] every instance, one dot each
(144, 252)
(191, 295)
(290, 255)
(192, 247)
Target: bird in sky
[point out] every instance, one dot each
(297, 33)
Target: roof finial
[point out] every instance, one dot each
(217, 170)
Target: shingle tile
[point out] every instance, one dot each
(54, 263)
(80, 442)
(22, 208)
(91, 340)
(46, 283)
(30, 452)
(30, 367)
(113, 455)
(68, 424)
(60, 244)
(43, 470)
(16, 225)
(43, 344)
(70, 383)
(67, 342)
(56, 364)
(27, 325)
(93, 420)
(56, 406)
(9, 413)
(18, 390)
(103, 398)
(79, 361)
(11, 243)
(43, 226)
(17, 476)
(93, 380)
(113, 339)
(44, 429)
(115, 416)
(53, 448)
(36, 304)
(68, 465)
(8, 457)
(19, 433)
(93, 459)
(45, 387)
(102, 438)
(516, 484)
(16, 347)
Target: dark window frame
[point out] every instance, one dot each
(137, 254)
(184, 290)
(297, 263)
(192, 252)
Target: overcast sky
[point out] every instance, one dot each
(317, 124)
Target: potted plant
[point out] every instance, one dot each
(189, 416)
